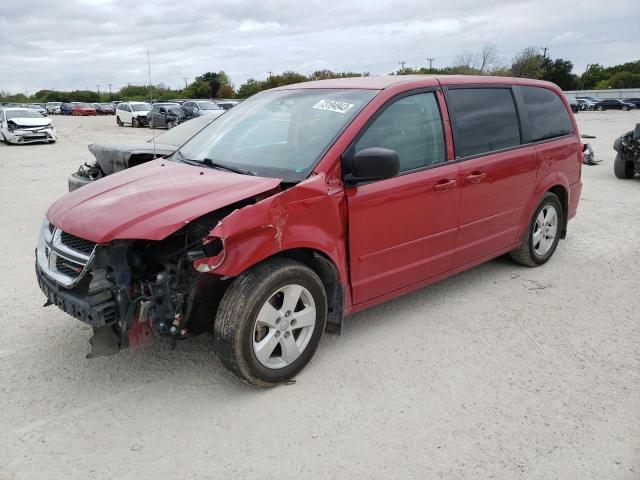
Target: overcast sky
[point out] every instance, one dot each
(78, 44)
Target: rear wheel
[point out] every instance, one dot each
(622, 168)
(270, 321)
(543, 233)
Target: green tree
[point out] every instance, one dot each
(559, 71)
(250, 87)
(527, 64)
(624, 80)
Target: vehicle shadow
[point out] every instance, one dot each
(192, 363)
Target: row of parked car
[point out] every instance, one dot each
(168, 114)
(594, 103)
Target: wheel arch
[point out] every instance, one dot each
(557, 184)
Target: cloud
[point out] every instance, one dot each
(72, 44)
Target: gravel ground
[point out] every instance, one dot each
(499, 372)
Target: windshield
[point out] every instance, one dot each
(140, 107)
(22, 114)
(207, 106)
(280, 134)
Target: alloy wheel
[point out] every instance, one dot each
(545, 230)
(284, 326)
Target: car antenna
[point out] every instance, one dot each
(153, 130)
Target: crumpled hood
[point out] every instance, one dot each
(30, 122)
(114, 158)
(151, 201)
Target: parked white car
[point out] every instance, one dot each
(25, 125)
(133, 113)
(53, 107)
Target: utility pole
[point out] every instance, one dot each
(185, 81)
(269, 72)
(109, 91)
(430, 60)
(98, 92)
(544, 52)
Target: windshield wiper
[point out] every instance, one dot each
(207, 162)
(211, 163)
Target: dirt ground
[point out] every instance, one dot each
(500, 372)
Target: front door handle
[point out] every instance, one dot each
(444, 185)
(475, 177)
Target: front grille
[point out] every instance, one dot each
(68, 268)
(76, 243)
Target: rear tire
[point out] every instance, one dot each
(541, 239)
(622, 168)
(261, 333)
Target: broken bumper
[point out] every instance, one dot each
(20, 136)
(97, 310)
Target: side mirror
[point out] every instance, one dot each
(370, 164)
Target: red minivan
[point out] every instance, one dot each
(309, 202)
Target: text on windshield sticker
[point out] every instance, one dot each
(333, 106)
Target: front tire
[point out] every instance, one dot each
(170, 125)
(119, 122)
(135, 123)
(622, 168)
(543, 233)
(270, 321)
(601, 108)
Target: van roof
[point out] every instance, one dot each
(385, 81)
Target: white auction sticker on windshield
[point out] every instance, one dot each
(333, 106)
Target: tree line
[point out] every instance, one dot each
(530, 62)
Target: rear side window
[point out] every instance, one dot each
(548, 117)
(410, 126)
(485, 120)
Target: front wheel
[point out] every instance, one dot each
(622, 168)
(170, 124)
(543, 233)
(270, 321)
(625, 109)
(119, 122)
(135, 123)
(601, 108)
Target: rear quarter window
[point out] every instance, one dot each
(548, 117)
(485, 120)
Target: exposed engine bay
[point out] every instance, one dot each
(129, 290)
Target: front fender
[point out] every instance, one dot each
(310, 215)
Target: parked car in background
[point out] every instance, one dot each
(66, 108)
(573, 103)
(592, 99)
(614, 104)
(25, 125)
(195, 108)
(165, 115)
(132, 113)
(111, 158)
(53, 108)
(635, 101)
(227, 104)
(177, 100)
(627, 162)
(310, 202)
(37, 107)
(104, 108)
(83, 110)
(586, 104)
